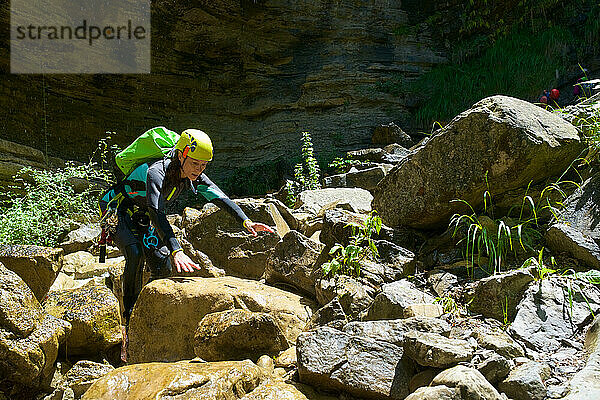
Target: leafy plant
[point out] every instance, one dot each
(347, 259)
(341, 165)
(542, 270)
(306, 173)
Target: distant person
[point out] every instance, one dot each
(582, 88)
(553, 98)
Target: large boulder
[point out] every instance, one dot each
(498, 296)
(293, 262)
(238, 335)
(180, 380)
(229, 245)
(168, 311)
(93, 311)
(394, 299)
(37, 266)
(366, 368)
(512, 140)
(29, 338)
(551, 311)
(578, 232)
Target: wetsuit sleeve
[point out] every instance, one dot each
(156, 210)
(212, 193)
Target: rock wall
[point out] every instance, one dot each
(253, 74)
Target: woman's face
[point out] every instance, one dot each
(192, 169)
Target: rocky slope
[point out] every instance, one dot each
(260, 321)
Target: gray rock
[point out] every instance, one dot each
(545, 319)
(335, 181)
(316, 201)
(93, 311)
(471, 384)
(350, 292)
(393, 331)
(441, 281)
(496, 294)
(366, 368)
(338, 225)
(498, 341)
(394, 263)
(331, 315)
(83, 374)
(293, 262)
(492, 365)
(394, 298)
(435, 350)
(81, 238)
(207, 268)
(228, 245)
(373, 154)
(29, 338)
(585, 385)
(390, 133)
(526, 381)
(238, 335)
(564, 238)
(514, 140)
(578, 233)
(395, 154)
(366, 178)
(37, 266)
(435, 393)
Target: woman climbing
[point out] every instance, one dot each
(140, 228)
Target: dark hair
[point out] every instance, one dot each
(172, 174)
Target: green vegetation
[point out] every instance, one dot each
(48, 208)
(488, 240)
(512, 48)
(341, 165)
(449, 89)
(307, 174)
(347, 259)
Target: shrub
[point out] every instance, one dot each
(347, 259)
(306, 173)
(47, 209)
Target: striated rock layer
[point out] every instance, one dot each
(253, 74)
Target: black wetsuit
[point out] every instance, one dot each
(143, 232)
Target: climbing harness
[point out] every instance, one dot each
(150, 240)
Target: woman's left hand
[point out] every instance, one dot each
(254, 227)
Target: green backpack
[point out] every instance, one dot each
(151, 145)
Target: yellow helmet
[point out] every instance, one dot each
(195, 144)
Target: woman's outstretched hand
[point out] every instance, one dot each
(254, 227)
(184, 263)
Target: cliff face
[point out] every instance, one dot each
(251, 74)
